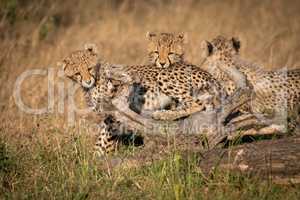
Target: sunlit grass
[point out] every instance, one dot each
(42, 157)
(67, 169)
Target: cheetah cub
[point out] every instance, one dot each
(275, 93)
(85, 68)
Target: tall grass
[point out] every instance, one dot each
(65, 169)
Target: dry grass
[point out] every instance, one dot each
(37, 34)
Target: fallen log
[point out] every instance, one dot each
(273, 160)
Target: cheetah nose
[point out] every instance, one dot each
(162, 63)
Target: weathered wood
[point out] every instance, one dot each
(276, 160)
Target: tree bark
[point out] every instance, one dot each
(276, 160)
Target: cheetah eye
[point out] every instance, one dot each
(155, 52)
(76, 78)
(171, 53)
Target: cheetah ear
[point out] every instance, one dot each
(183, 37)
(91, 47)
(62, 65)
(150, 35)
(66, 69)
(236, 43)
(207, 48)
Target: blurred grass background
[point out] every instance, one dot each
(35, 34)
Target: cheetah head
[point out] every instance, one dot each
(81, 65)
(165, 49)
(220, 51)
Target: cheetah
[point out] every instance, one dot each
(169, 75)
(85, 68)
(275, 93)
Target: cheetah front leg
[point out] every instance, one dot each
(189, 108)
(108, 136)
